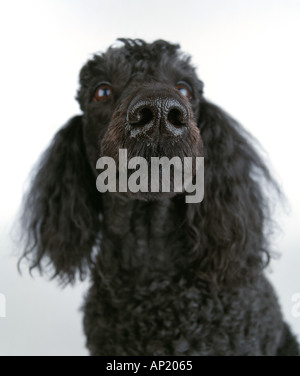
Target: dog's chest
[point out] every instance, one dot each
(146, 236)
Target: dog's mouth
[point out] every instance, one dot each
(152, 147)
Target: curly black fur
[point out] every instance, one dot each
(168, 278)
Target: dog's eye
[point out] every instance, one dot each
(102, 93)
(184, 89)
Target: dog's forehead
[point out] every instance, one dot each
(120, 65)
(148, 62)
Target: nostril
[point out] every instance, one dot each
(176, 117)
(140, 117)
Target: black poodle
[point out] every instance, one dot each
(168, 277)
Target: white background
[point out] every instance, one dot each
(248, 54)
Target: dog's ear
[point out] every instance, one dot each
(60, 216)
(228, 229)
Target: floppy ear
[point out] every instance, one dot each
(61, 209)
(228, 229)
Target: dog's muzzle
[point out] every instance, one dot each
(158, 113)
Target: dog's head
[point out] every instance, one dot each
(146, 99)
(143, 98)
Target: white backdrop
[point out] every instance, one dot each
(247, 53)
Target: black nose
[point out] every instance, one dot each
(158, 112)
